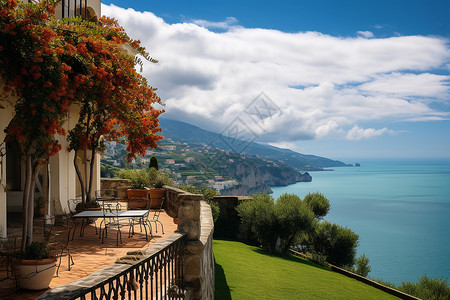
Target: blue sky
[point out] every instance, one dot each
(343, 79)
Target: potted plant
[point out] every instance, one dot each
(157, 180)
(36, 267)
(138, 191)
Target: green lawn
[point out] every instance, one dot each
(246, 272)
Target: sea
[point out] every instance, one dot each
(399, 208)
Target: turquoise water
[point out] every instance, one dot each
(400, 209)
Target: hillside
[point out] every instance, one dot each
(184, 132)
(201, 158)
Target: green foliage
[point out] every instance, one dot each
(139, 178)
(386, 283)
(157, 179)
(208, 195)
(276, 225)
(318, 203)
(361, 266)
(427, 288)
(153, 163)
(259, 215)
(337, 243)
(37, 250)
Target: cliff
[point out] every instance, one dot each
(256, 178)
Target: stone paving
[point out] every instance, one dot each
(90, 255)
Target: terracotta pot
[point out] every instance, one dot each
(137, 193)
(35, 274)
(138, 203)
(156, 196)
(175, 220)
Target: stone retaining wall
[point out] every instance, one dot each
(119, 184)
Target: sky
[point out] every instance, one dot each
(342, 79)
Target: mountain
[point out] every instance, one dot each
(184, 132)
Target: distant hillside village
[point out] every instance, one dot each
(185, 163)
(198, 157)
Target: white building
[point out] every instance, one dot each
(57, 181)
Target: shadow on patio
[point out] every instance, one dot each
(88, 253)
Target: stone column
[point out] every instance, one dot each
(195, 219)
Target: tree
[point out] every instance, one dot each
(116, 100)
(49, 65)
(338, 244)
(34, 72)
(153, 163)
(318, 203)
(276, 225)
(361, 266)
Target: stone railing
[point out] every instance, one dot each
(119, 184)
(195, 219)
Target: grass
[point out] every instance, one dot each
(246, 272)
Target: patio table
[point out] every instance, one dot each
(141, 215)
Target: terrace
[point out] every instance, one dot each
(90, 255)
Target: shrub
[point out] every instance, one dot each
(361, 266)
(37, 250)
(139, 178)
(258, 214)
(276, 225)
(337, 243)
(208, 195)
(427, 288)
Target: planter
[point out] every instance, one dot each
(35, 274)
(138, 203)
(156, 196)
(175, 220)
(137, 193)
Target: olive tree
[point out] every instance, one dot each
(276, 224)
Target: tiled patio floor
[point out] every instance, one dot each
(89, 255)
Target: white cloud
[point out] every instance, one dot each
(229, 21)
(366, 34)
(357, 133)
(407, 84)
(321, 84)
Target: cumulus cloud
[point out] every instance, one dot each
(357, 133)
(320, 85)
(366, 34)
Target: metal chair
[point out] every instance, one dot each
(7, 253)
(72, 204)
(111, 220)
(155, 217)
(57, 239)
(138, 203)
(106, 196)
